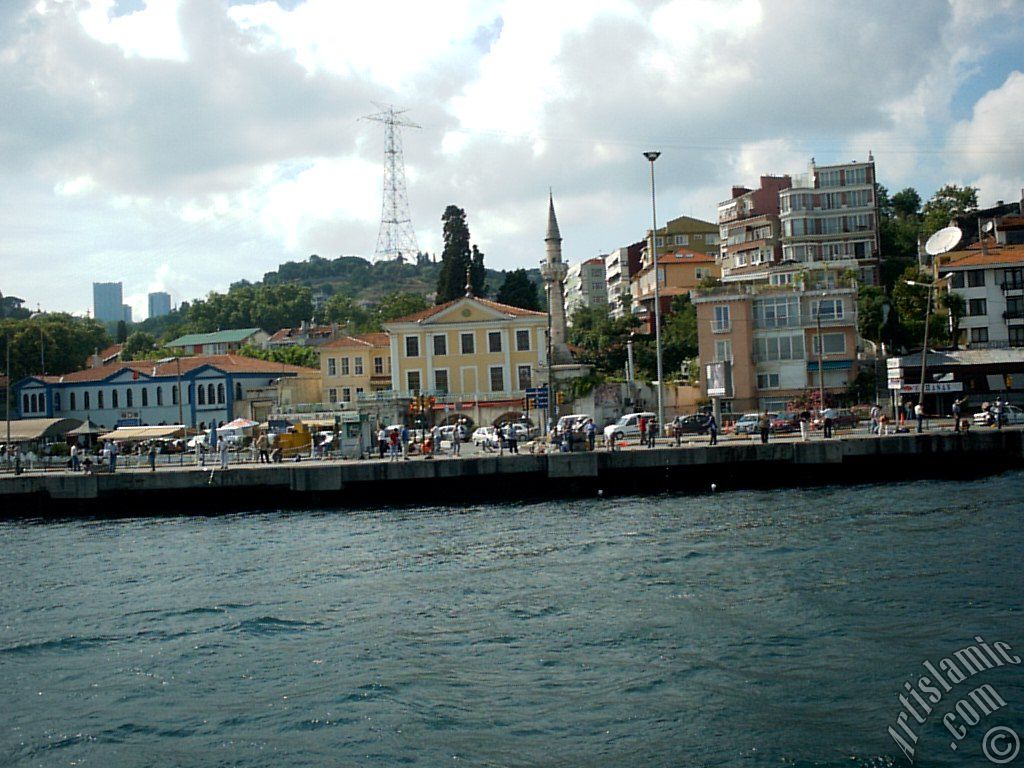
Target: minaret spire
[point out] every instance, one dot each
(553, 271)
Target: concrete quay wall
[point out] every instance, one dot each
(737, 464)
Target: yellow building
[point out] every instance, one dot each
(469, 349)
(351, 366)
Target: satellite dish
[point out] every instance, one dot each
(942, 241)
(989, 226)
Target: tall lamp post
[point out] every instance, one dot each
(927, 317)
(821, 362)
(651, 157)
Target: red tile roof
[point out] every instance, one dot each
(288, 333)
(226, 363)
(994, 255)
(506, 309)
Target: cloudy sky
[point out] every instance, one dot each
(183, 144)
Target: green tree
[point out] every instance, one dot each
(293, 355)
(399, 305)
(601, 340)
(906, 203)
(62, 342)
(518, 291)
(679, 335)
(945, 205)
(458, 257)
(343, 310)
(137, 346)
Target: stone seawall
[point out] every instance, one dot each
(444, 481)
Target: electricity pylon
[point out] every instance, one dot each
(396, 237)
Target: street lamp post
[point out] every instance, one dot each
(821, 363)
(651, 157)
(927, 318)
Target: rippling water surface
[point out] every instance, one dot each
(770, 628)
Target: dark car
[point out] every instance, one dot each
(842, 418)
(694, 424)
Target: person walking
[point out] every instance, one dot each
(919, 415)
(956, 415)
(764, 426)
(713, 430)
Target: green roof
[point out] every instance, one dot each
(218, 337)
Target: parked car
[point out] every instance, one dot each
(485, 437)
(1011, 415)
(787, 421)
(448, 431)
(842, 418)
(628, 426)
(746, 424)
(694, 424)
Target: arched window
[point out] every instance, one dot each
(35, 403)
(25, 403)
(220, 393)
(113, 398)
(56, 401)
(211, 393)
(201, 395)
(99, 399)
(128, 398)
(145, 397)
(71, 401)
(159, 395)
(238, 390)
(174, 394)
(85, 400)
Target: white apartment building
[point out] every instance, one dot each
(585, 286)
(829, 223)
(991, 281)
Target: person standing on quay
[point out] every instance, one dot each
(74, 457)
(956, 415)
(642, 425)
(263, 444)
(919, 415)
(764, 426)
(152, 457)
(713, 430)
(652, 431)
(805, 425)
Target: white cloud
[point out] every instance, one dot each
(150, 33)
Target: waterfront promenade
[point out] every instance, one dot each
(736, 462)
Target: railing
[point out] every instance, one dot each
(721, 327)
(778, 322)
(1012, 285)
(1013, 314)
(441, 397)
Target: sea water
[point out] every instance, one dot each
(760, 628)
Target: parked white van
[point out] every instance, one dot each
(627, 427)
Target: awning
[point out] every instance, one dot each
(130, 434)
(830, 365)
(37, 429)
(87, 428)
(239, 424)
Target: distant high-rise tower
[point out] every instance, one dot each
(126, 312)
(396, 238)
(107, 302)
(159, 304)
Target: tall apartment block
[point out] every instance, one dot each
(585, 286)
(126, 312)
(619, 267)
(107, 302)
(829, 223)
(751, 232)
(159, 304)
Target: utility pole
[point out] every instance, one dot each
(651, 157)
(396, 237)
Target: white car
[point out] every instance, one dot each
(746, 424)
(1011, 415)
(628, 426)
(485, 436)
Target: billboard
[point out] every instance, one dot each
(719, 378)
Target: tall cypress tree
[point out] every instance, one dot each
(518, 291)
(457, 257)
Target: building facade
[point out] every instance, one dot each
(585, 286)
(751, 232)
(679, 273)
(215, 388)
(219, 342)
(352, 366)
(107, 302)
(469, 349)
(829, 219)
(159, 304)
(771, 337)
(619, 266)
(991, 282)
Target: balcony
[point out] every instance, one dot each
(1013, 314)
(718, 326)
(778, 322)
(1012, 285)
